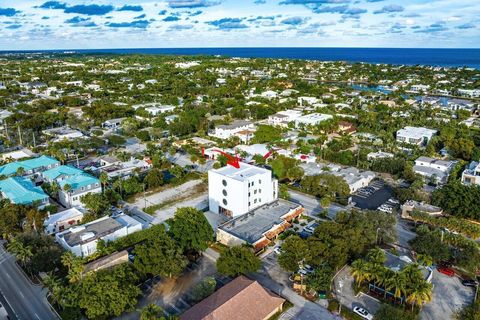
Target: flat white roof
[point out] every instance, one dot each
(245, 171)
(416, 132)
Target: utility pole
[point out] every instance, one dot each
(34, 144)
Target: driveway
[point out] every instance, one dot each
(449, 296)
(343, 286)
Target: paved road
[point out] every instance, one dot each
(404, 235)
(312, 204)
(28, 302)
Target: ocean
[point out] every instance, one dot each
(432, 57)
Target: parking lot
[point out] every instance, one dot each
(449, 296)
(373, 196)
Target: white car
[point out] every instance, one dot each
(363, 313)
(277, 250)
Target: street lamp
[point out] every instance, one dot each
(376, 236)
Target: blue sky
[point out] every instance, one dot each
(77, 24)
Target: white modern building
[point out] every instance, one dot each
(471, 93)
(419, 136)
(229, 130)
(63, 220)
(63, 133)
(312, 119)
(435, 169)
(233, 192)
(471, 175)
(379, 155)
(82, 240)
(283, 118)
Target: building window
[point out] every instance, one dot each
(225, 201)
(224, 192)
(224, 182)
(255, 191)
(260, 181)
(255, 201)
(253, 183)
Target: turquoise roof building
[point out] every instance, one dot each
(80, 182)
(76, 178)
(30, 166)
(21, 190)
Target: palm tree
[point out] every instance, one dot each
(20, 171)
(68, 189)
(398, 282)
(54, 286)
(54, 189)
(22, 252)
(74, 265)
(103, 180)
(421, 294)
(360, 271)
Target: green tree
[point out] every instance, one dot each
(96, 203)
(237, 260)
(294, 250)
(22, 252)
(151, 312)
(320, 279)
(388, 312)
(159, 256)
(204, 289)
(108, 293)
(154, 178)
(103, 180)
(266, 133)
(191, 230)
(74, 266)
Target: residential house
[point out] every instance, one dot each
(312, 119)
(240, 299)
(20, 190)
(379, 155)
(63, 133)
(471, 175)
(415, 135)
(412, 205)
(63, 220)
(113, 123)
(283, 118)
(80, 182)
(30, 167)
(230, 130)
(82, 240)
(434, 169)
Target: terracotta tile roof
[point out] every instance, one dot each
(241, 299)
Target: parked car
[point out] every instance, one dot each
(308, 268)
(277, 250)
(303, 272)
(446, 271)
(363, 313)
(311, 228)
(470, 283)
